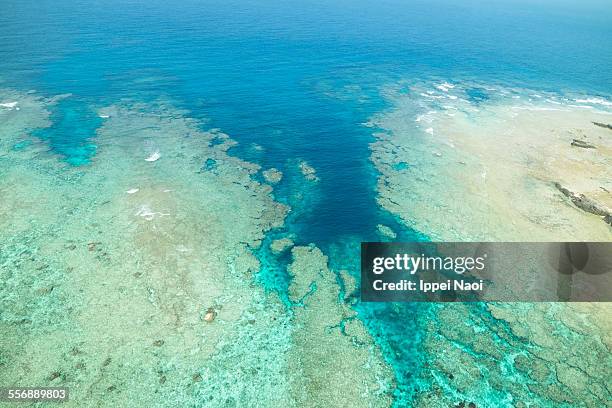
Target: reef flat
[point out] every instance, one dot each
(130, 280)
(332, 343)
(504, 168)
(472, 162)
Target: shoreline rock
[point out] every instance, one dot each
(582, 144)
(603, 125)
(586, 204)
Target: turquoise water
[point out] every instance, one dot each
(73, 126)
(297, 78)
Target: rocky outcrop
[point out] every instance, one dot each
(583, 144)
(308, 171)
(603, 125)
(273, 175)
(586, 204)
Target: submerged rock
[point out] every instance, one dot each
(210, 315)
(281, 245)
(386, 231)
(273, 175)
(308, 171)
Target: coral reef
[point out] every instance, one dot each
(498, 170)
(130, 280)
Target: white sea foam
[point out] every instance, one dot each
(536, 108)
(595, 101)
(430, 95)
(133, 190)
(104, 116)
(9, 105)
(155, 156)
(427, 117)
(445, 86)
(430, 131)
(369, 124)
(147, 213)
